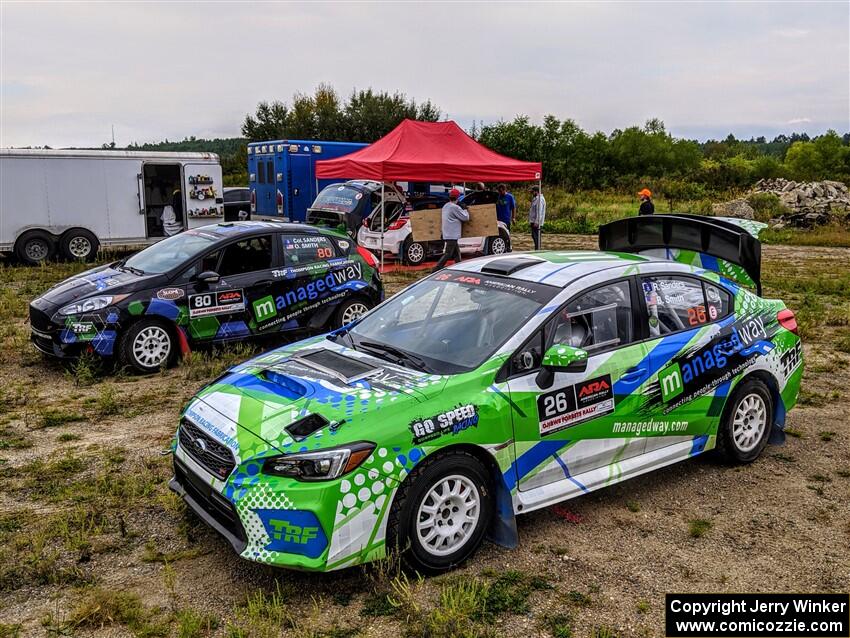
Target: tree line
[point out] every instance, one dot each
(572, 157)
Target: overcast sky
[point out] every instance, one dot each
(68, 72)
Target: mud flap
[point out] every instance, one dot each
(503, 529)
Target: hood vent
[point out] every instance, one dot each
(509, 265)
(336, 365)
(304, 427)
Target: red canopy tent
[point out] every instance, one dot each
(428, 152)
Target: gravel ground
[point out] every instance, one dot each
(781, 524)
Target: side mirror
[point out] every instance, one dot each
(560, 358)
(209, 277)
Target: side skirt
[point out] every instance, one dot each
(565, 489)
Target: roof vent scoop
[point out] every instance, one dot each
(509, 265)
(302, 428)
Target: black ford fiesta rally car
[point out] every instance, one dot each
(217, 283)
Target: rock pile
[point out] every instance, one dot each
(807, 204)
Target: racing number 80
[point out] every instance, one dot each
(202, 301)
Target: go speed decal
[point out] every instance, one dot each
(453, 421)
(216, 303)
(574, 404)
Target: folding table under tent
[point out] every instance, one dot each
(427, 152)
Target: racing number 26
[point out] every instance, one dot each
(696, 315)
(555, 404)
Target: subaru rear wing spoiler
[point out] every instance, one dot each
(708, 242)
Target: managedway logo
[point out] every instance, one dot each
(264, 308)
(670, 379)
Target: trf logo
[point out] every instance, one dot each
(292, 533)
(670, 379)
(264, 308)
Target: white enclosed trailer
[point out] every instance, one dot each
(71, 202)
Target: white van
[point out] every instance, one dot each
(71, 202)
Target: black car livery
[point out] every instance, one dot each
(217, 283)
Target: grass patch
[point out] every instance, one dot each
(633, 506)
(642, 607)
(843, 343)
(828, 235)
(605, 632)
(104, 607)
(13, 440)
(797, 434)
(54, 417)
(699, 527)
(264, 615)
(195, 624)
(558, 625)
(785, 458)
(378, 604)
(826, 436)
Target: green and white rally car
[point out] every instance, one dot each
(495, 387)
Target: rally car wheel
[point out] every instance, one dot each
(413, 252)
(147, 346)
(746, 423)
(350, 311)
(441, 512)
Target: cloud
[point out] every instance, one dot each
(708, 67)
(799, 120)
(792, 33)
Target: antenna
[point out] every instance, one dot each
(113, 136)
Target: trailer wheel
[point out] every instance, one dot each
(78, 244)
(35, 247)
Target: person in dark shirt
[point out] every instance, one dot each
(646, 205)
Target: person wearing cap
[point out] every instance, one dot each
(646, 205)
(453, 218)
(536, 215)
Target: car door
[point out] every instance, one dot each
(314, 279)
(221, 310)
(688, 323)
(574, 425)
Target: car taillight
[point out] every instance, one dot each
(397, 224)
(253, 201)
(279, 200)
(787, 320)
(368, 257)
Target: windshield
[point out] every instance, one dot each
(170, 253)
(339, 198)
(453, 321)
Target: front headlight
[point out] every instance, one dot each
(91, 304)
(323, 465)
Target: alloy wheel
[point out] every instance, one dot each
(448, 515)
(415, 253)
(749, 422)
(152, 346)
(353, 312)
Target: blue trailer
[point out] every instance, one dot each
(282, 176)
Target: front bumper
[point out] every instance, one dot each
(282, 522)
(91, 333)
(208, 505)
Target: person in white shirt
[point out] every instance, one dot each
(536, 215)
(170, 224)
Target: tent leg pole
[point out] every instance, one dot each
(382, 226)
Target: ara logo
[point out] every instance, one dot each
(589, 389)
(670, 379)
(264, 308)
